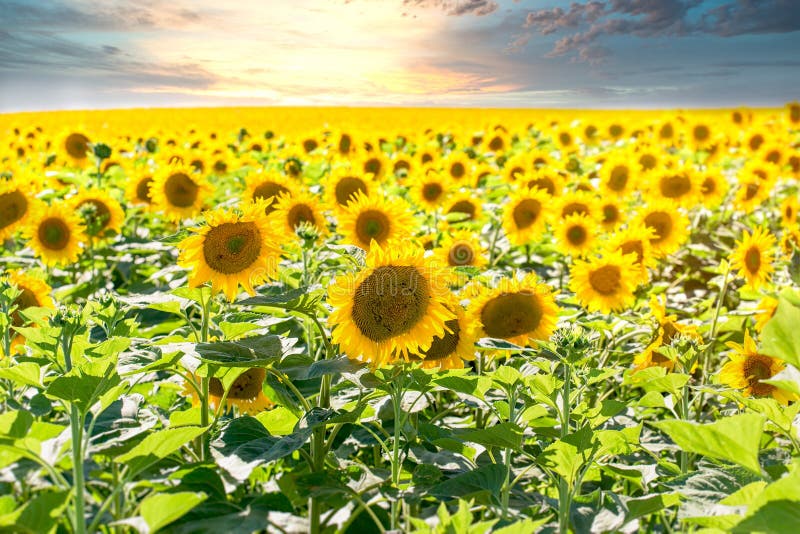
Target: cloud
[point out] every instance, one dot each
(457, 7)
(592, 20)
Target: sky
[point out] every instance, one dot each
(93, 54)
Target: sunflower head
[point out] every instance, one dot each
(753, 257)
(748, 367)
(15, 207)
(605, 283)
(456, 345)
(299, 211)
(525, 214)
(102, 214)
(367, 219)
(669, 226)
(56, 234)
(461, 248)
(268, 186)
(179, 192)
(575, 235)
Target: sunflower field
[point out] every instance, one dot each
(400, 320)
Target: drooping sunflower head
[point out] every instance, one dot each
(670, 226)
(520, 311)
(246, 392)
(230, 250)
(461, 248)
(179, 192)
(765, 311)
(293, 213)
(375, 218)
(575, 235)
(605, 283)
(55, 234)
(15, 206)
(395, 306)
(579, 201)
(102, 214)
(525, 214)
(550, 182)
(748, 367)
(754, 256)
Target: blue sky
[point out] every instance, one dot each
(67, 54)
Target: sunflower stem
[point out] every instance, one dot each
(76, 428)
(204, 380)
(398, 389)
(564, 492)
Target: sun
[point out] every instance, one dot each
(231, 250)
(396, 305)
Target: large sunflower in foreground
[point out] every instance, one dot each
(102, 213)
(450, 350)
(375, 218)
(520, 311)
(230, 250)
(395, 306)
(15, 207)
(753, 257)
(55, 234)
(34, 293)
(748, 367)
(179, 192)
(524, 215)
(605, 283)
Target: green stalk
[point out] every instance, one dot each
(397, 401)
(204, 380)
(564, 493)
(76, 427)
(318, 444)
(506, 491)
(684, 456)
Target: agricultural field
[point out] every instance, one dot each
(400, 320)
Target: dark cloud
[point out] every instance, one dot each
(594, 19)
(457, 7)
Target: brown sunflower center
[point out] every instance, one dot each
(101, 214)
(752, 259)
(527, 212)
(464, 206)
(648, 161)
(606, 280)
(633, 247)
(77, 145)
(544, 183)
(181, 190)
(751, 190)
(758, 367)
(577, 235)
(390, 302)
(299, 214)
(460, 254)
(618, 178)
(231, 248)
(247, 385)
(372, 224)
(511, 314)
(54, 233)
(575, 207)
(143, 190)
(709, 186)
(661, 223)
(347, 187)
(26, 299)
(442, 347)
(13, 206)
(457, 170)
(496, 143)
(675, 186)
(756, 141)
(432, 191)
(610, 214)
(666, 131)
(345, 142)
(309, 145)
(701, 132)
(373, 165)
(616, 130)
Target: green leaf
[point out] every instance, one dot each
(158, 446)
(505, 435)
(735, 439)
(23, 373)
(274, 295)
(161, 509)
(256, 351)
(39, 515)
(279, 421)
(84, 385)
(15, 424)
(475, 386)
(483, 484)
(781, 336)
(775, 517)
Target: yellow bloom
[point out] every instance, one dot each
(15, 207)
(56, 234)
(575, 235)
(343, 184)
(268, 186)
(395, 306)
(605, 283)
(375, 218)
(765, 312)
(179, 192)
(34, 293)
(670, 226)
(450, 351)
(748, 367)
(524, 215)
(230, 250)
(246, 392)
(668, 328)
(753, 257)
(293, 211)
(106, 215)
(459, 249)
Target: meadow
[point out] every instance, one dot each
(412, 320)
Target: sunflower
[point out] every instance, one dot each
(138, 186)
(635, 240)
(75, 146)
(56, 234)
(375, 164)
(460, 249)
(450, 350)
(612, 216)
(605, 283)
(748, 367)
(375, 218)
(301, 209)
(713, 188)
(395, 306)
(617, 176)
(103, 215)
(670, 226)
(793, 112)
(463, 207)
(520, 311)
(458, 166)
(575, 235)
(15, 207)
(497, 142)
(550, 182)
(583, 202)
(753, 258)
(756, 180)
(230, 250)
(266, 186)
(179, 192)
(246, 392)
(429, 189)
(668, 329)
(34, 293)
(790, 242)
(342, 184)
(677, 184)
(765, 311)
(402, 165)
(700, 135)
(516, 168)
(524, 215)
(789, 209)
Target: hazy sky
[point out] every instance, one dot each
(58, 54)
